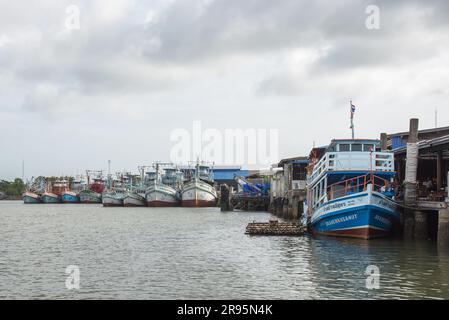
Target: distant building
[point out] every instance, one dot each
(288, 176)
(398, 140)
(226, 174)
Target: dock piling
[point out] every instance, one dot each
(225, 203)
(420, 225)
(443, 227)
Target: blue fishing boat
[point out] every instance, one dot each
(70, 196)
(350, 190)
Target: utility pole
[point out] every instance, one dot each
(436, 117)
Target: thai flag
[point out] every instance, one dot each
(352, 110)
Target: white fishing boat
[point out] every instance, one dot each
(113, 198)
(199, 191)
(160, 194)
(134, 197)
(114, 195)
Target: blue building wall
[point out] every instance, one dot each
(397, 142)
(228, 174)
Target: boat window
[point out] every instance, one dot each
(344, 147)
(357, 147)
(368, 147)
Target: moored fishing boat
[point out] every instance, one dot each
(350, 190)
(50, 197)
(134, 198)
(70, 196)
(113, 198)
(90, 196)
(34, 189)
(93, 192)
(31, 197)
(199, 191)
(162, 191)
(160, 195)
(114, 195)
(54, 191)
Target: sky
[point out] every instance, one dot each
(84, 82)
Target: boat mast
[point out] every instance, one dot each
(352, 109)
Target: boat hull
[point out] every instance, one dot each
(89, 196)
(31, 198)
(199, 194)
(50, 198)
(365, 215)
(70, 197)
(115, 200)
(133, 200)
(162, 196)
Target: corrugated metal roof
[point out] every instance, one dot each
(419, 132)
(423, 144)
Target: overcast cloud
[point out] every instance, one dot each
(137, 70)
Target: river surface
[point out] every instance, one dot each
(185, 253)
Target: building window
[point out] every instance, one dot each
(368, 147)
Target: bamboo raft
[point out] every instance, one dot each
(275, 228)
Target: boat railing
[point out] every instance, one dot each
(357, 184)
(352, 161)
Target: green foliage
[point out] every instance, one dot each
(14, 188)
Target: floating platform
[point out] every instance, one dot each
(275, 228)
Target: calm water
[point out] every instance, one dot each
(182, 253)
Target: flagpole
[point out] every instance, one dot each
(352, 118)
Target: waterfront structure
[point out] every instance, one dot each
(422, 162)
(288, 187)
(350, 190)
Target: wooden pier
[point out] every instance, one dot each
(424, 217)
(275, 228)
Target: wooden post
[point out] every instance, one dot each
(408, 224)
(224, 198)
(383, 141)
(443, 227)
(439, 170)
(414, 223)
(295, 208)
(411, 165)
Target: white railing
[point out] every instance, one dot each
(352, 161)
